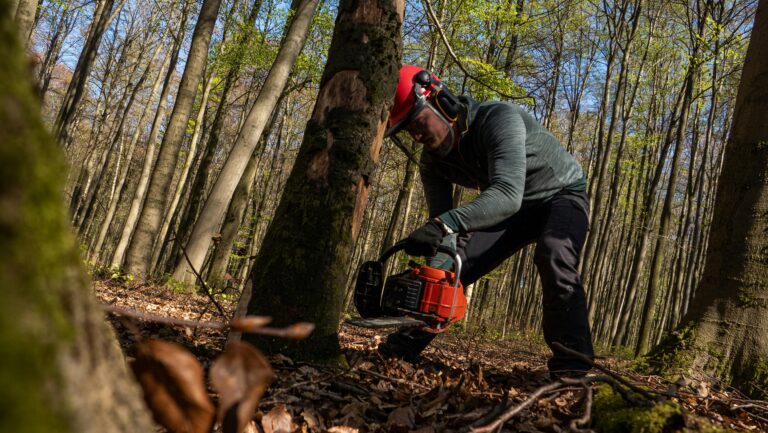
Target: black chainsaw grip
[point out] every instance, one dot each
(370, 282)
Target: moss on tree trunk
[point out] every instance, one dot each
(301, 269)
(61, 369)
(612, 414)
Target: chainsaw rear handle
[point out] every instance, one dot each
(441, 249)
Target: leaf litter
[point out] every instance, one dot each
(460, 382)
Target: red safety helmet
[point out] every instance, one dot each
(416, 88)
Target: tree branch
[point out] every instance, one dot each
(607, 371)
(455, 58)
(249, 324)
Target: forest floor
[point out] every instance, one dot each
(463, 381)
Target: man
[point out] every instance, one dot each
(532, 190)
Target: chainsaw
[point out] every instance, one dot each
(423, 296)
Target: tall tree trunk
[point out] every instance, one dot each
(398, 216)
(209, 221)
(239, 202)
(191, 209)
(62, 368)
(181, 184)
(122, 176)
(114, 136)
(726, 331)
(102, 17)
(64, 25)
(149, 157)
(649, 305)
(139, 253)
(298, 271)
(25, 19)
(646, 210)
(513, 38)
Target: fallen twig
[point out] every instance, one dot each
(393, 379)
(584, 420)
(561, 385)
(201, 281)
(496, 411)
(249, 324)
(607, 371)
(509, 413)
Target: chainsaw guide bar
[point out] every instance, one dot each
(386, 322)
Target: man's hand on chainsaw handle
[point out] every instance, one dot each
(425, 240)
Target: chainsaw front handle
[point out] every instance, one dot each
(440, 249)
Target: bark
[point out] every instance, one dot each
(726, 326)
(298, 272)
(211, 217)
(139, 253)
(62, 367)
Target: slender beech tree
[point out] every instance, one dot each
(237, 206)
(149, 156)
(188, 213)
(25, 19)
(102, 17)
(212, 215)
(122, 177)
(61, 369)
(299, 274)
(726, 329)
(691, 77)
(139, 254)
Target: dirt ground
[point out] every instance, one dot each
(461, 382)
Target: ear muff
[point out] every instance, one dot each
(441, 97)
(448, 104)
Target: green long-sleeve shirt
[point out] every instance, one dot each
(506, 154)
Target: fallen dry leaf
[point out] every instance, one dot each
(342, 429)
(240, 375)
(174, 387)
(402, 418)
(313, 419)
(278, 420)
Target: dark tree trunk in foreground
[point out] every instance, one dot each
(726, 329)
(62, 370)
(300, 272)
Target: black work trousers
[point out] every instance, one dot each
(558, 227)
